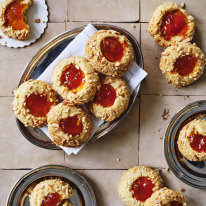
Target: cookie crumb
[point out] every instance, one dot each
(182, 189)
(5, 42)
(182, 5)
(161, 95)
(165, 114)
(161, 137)
(133, 26)
(156, 57)
(43, 21)
(118, 159)
(167, 169)
(0, 37)
(37, 21)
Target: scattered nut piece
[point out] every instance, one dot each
(182, 189)
(182, 5)
(161, 95)
(118, 159)
(0, 37)
(167, 169)
(133, 26)
(43, 21)
(37, 21)
(5, 42)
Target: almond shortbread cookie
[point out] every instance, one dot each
(109, 52)
(13, 19)
(33, 100)
(171, 24)
(111, 100)
(138, 184)
(192, 140)
(182, 63)
(75, 80)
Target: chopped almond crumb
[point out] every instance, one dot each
(133, 26)
(182, 5)
(167, 169)
(37, 20)
(118, 159)
(182, 189)
(43, 21)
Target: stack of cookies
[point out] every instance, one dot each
(95, 82)
(173, 28)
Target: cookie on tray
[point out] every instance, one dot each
(75, 80)
(192, 140)
(109, 52)
(138, 184)
(171, 24)
(182, 63)
(33, 100)
(166, 197)
(68, 125)
(51, 192)
(111, 100)
(13, 19)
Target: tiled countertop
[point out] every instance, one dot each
(141, 132)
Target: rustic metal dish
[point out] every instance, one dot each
(191, 173)
(45, 56)
(82, 191)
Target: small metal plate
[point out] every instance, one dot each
(83, 194)
(42, 60)
(192, 173)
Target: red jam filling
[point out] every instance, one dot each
(71, 125)
(51, 200)
(174, 23)
(184, 65)
(112, 49)
(106, 96)
(14, 15)
(72, 77)
(142, 188)
(38, 105)
(175, 203)
(198, 142)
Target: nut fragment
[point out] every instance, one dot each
(37, 21)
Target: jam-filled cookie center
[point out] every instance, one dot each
(72, 77)
(175, 203)
(38, 105)
(112, 49)
(71, 125)
(174, 23)
(185, 65)
(198, 142)
(142, 188)
(51, 199)
(106, 96)
(14, 15)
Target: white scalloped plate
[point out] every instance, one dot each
(38, 10)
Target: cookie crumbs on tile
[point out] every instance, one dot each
(165, 114)
(37, 21)
(182, 5)
(133, 26)
(182, 189)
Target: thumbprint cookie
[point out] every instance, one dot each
(171, 24)
(192, 140)
(69, 126)
(51, 192)
(75, 80)
(111, 100)
(109, 52)
(13, 19)
(138, 184)
(182, 63)
(33, 100)
(166, 197)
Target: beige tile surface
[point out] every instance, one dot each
(16, 151)
(153, 125)
(127, 26)
(121, 143)
(13, 61)
(57, 10)
(105, 10)
(155, 82)
(195, 8)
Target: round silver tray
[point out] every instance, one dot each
(191, 173)
(45, 56)
(82, 191)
